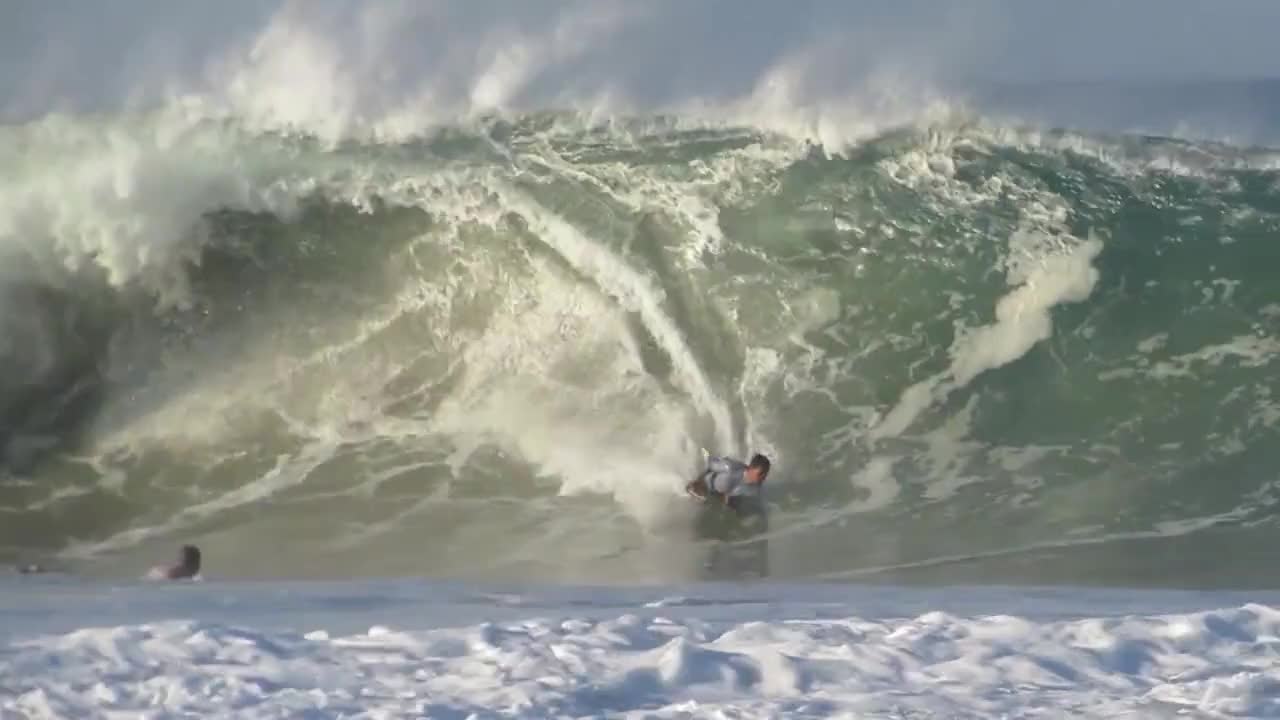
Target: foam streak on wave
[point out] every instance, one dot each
(1022, 320)
(635, 294)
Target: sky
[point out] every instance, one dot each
(64, 53)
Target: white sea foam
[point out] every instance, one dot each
(125, 199)
(659, 660)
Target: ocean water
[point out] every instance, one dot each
(497, 350)
(418, 649)
(424, 380)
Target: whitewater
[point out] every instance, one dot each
(416, 323)
(418, 649)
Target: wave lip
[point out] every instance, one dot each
(1218, 662)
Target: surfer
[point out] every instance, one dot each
(188, 566)
(730, 479)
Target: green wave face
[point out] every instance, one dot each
(973, 353)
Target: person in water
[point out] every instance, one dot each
(730, 479)
(188, 566)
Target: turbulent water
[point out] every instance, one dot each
(497, 349)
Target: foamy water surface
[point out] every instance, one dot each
(426, 650)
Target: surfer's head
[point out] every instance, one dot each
(757, 469)
(188, 562)
(187, 566)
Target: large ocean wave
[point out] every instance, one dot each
(499, 347)
(324, 328)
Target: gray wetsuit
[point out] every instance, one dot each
(725, 476)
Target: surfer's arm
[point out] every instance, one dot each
(717, 464)
(699, 485)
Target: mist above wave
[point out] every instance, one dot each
(826, 71)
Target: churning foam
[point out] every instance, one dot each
(753, 659)
(124, 199)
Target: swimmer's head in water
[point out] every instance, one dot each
(188, 565)
(757, 469)
(190, 558)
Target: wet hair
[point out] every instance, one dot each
(761, 462)
(188, 563)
